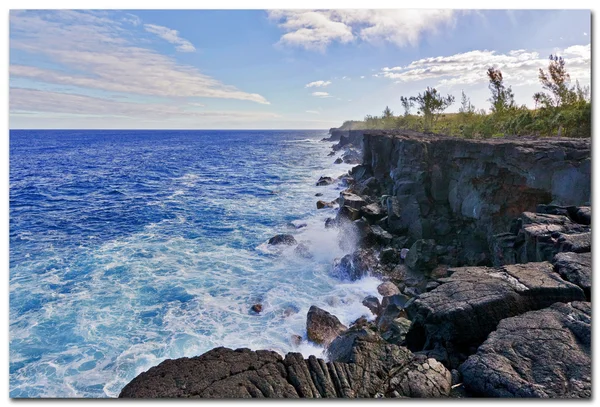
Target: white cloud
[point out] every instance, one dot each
(316, 29)
(313, 111)
(171, 36)
(585, 34)
(100, 53)
(362, 77)
(32, 100)
(132, 19)
(321, 94)
(318, 84)
(519, 67)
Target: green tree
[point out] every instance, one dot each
(431, 104)
(387, 118)
(556, 82)
(502, 97)
(407, 104)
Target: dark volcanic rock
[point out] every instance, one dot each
(372, 212)
(422, 255)
(388, 288)
(451, 189)
(323, 204)
(352, 156)
(338, 161)
(372, 303)
(257, 308)
(322, 327)
(468, 305)
(545, 353)
(347, 213)
(577, 269)
(288, 240)
(356, 265)
(325, 181)
(352, 200)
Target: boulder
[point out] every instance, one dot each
(372, 303)
(389, 255)
(330, 223)
(325, 181)
(319, 194)
(388, 288)
(399, 300)
(356, 265)
(347, 213)
(544, 353)
(469, 304)
(283, 239)
(322, 327)
(338, 161)
(397, 330)
(323, 204)
(577, 269)
(303, 250)
(352, 200)
(257, 308)
(372, 212)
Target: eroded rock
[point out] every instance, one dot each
(322, 327)
(544, 353)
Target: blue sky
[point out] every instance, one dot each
(271, 69)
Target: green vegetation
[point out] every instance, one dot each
(561, 110)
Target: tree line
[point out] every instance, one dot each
(561, 109)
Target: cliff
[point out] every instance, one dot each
(462, 192)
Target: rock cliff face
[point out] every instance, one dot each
(463, 192)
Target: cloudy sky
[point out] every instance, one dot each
(271, 69)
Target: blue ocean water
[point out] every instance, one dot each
(131, 247)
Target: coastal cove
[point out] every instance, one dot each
(138, 246)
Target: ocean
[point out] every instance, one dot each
(131, 247)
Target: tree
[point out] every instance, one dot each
(387, 118)
(556, 81)
(407, 104)
(502, 97)
(431, 104)
(465, 105)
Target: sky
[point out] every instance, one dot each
(272, 69)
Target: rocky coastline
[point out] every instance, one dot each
(484, 252)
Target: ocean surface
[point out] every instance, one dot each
(131, 247)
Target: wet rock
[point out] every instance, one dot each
(389, 255)
(347, 213)
(468, 305)
(283, 239)
(290, 310)
(403, 253)
(352, 156)
(331, 154)
(325, 181)
(387, 289)
(298, 224)
(356, 265)
(296, 339)
(372, 303)
(303, 250)
(397, 299)
(372, 212)
(577, 269)
(330, 223)
(257, 308)
(372, 368)
(338, 161)
(323, 204)
(322, 327)
(544, 353)
(352, 200)
(319, 194)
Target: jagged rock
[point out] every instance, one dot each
(468, 305)
(325, 181)
(352, 156)
(287, 240)
(331, 154)
(322, 327)
(347, 213)
(338, 161)
(397, 330)
(323, 204)
(446, 188)
(372, 212)
(257, 308)
(389, 314)
(356, 265)
(388, 288)
(422, 255)
(369, 186)
(577, 269)
(389, 255)
(352, 200)
(399, 300)
(298, 224)
(330, 223)
(361, 172)
(544, 353)
(372, 303)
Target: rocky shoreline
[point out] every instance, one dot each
(484, 250)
